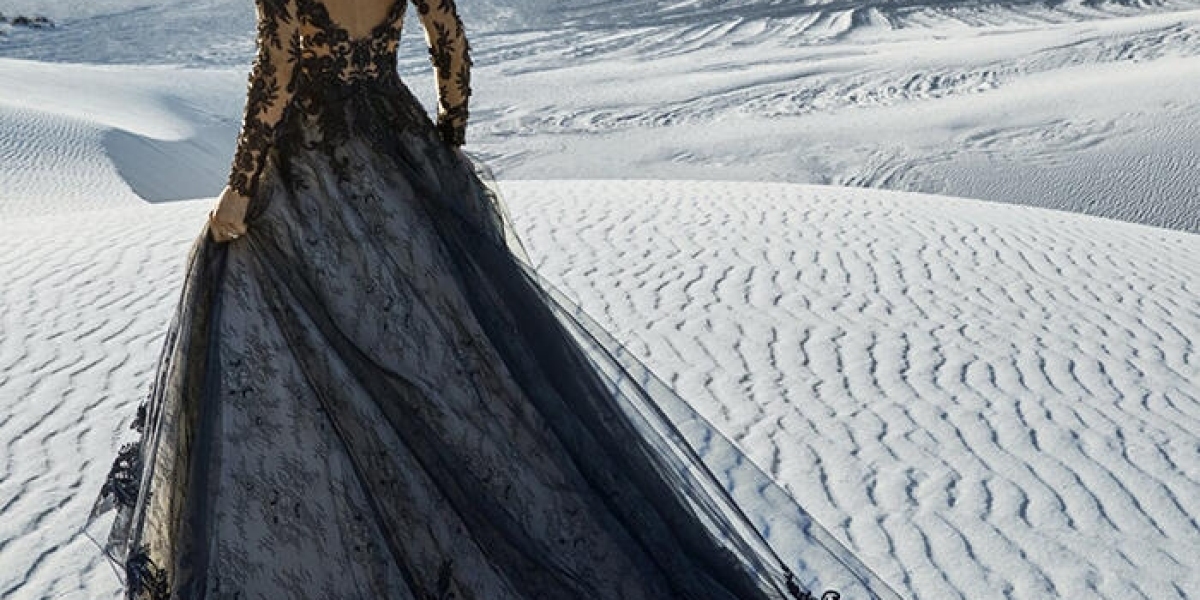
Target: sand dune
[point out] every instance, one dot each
(981, 400)
(133, 134)
(1097, 117)
(1086, 107)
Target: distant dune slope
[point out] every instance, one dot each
(1081, 106)
(982, 400)
(219, 31)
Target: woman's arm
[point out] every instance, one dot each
(271, 87)
(270, 90)
(450, 54)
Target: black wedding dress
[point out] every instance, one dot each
(371, 395)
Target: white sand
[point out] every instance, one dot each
(982, 400)
(1087, 108)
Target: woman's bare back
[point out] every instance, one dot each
(358, 17)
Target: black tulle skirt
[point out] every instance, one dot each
(372, 395)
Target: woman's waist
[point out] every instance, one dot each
(333, 106)
(333, 84)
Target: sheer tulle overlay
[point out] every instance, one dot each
(372, 395)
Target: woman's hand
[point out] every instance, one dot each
(227, 221)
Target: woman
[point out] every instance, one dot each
(366, 393)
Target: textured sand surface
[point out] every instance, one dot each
(981, 400)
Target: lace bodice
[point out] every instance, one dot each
(299, 45)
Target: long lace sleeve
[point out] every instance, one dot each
(450, 54)
(270, 90)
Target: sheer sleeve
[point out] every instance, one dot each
(270, 90)
(450, 54)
